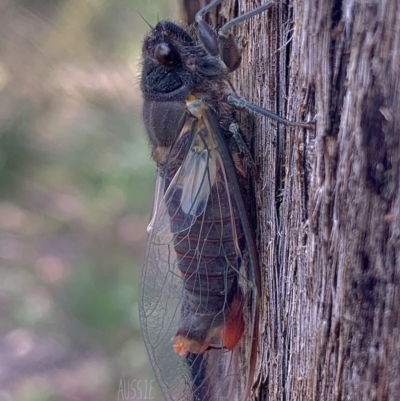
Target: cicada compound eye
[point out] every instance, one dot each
(167, 54)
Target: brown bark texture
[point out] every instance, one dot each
(328, 200)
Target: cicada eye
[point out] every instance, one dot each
(167, 55)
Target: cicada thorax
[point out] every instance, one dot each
(208, 240)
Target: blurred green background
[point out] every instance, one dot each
(76, 183)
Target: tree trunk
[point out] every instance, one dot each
(328, 200)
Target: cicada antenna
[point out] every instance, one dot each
(144, 19)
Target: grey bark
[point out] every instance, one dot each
(328, 200)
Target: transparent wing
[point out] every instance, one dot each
(197, 301)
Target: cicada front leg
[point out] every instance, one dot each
(225, 43)
(227, 47)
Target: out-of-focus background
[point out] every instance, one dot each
(76, 183)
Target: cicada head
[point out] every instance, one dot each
(166, 75)
(175, 64)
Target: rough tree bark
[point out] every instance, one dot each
(328, 200)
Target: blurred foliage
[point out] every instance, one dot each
(76, 183)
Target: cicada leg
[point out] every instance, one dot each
(244, 104)
(227, 47)
(225, 43)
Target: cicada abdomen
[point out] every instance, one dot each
(198, 296)
(208, 241)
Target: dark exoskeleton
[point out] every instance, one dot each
(199, 283)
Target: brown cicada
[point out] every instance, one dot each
(198, 302)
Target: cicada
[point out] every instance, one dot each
(198, 301)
